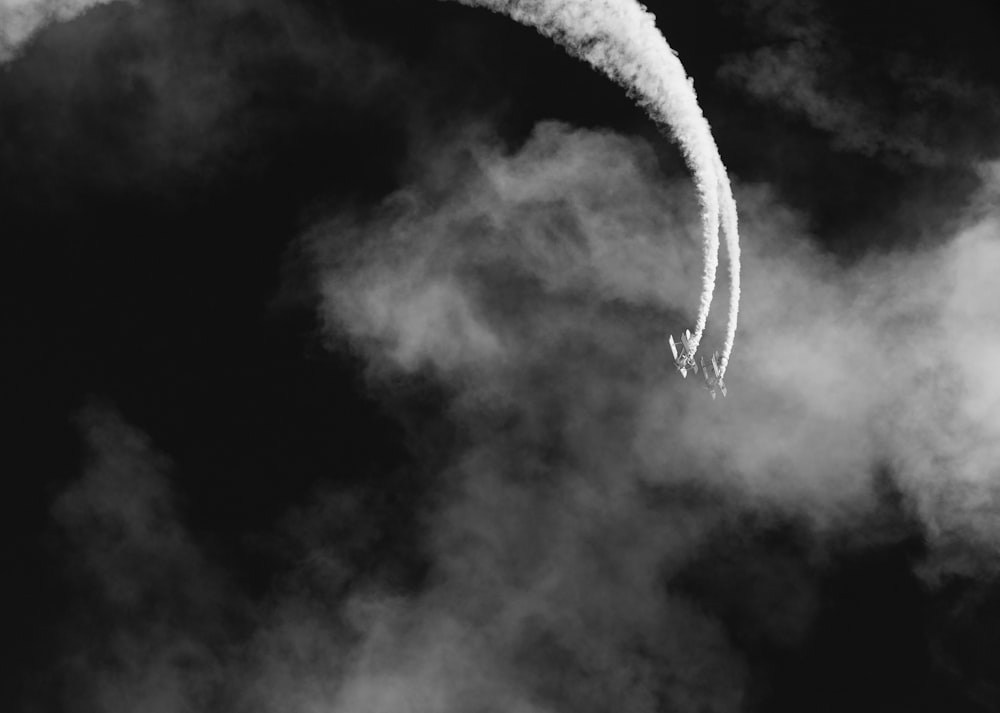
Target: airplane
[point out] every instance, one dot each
(683, 357)
(714, 378)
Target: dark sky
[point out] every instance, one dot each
(337, 373)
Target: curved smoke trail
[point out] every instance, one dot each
(730, 230)
(620, 38)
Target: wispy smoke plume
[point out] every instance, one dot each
(536, 260)
(158, 626)
(20, 19)
(597, 534)
(196, 88)
(545, 337)
(871, 97)
(621, 40)
(584, 536)
(158, 609)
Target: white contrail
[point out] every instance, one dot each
(730, 230)
(20, 19)
(619, 37)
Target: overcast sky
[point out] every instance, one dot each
(337, 363)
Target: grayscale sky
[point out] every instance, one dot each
(338, 375)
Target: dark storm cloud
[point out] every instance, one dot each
(872, 91)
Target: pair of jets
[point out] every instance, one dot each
(684, 360)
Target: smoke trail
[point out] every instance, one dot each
(730, 230)
(20, 19)
(621, 40)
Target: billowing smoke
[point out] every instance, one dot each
(590, 541)
(20, 19)
(531, 290)
(621, 40)
(536, 261)
(592, 534)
